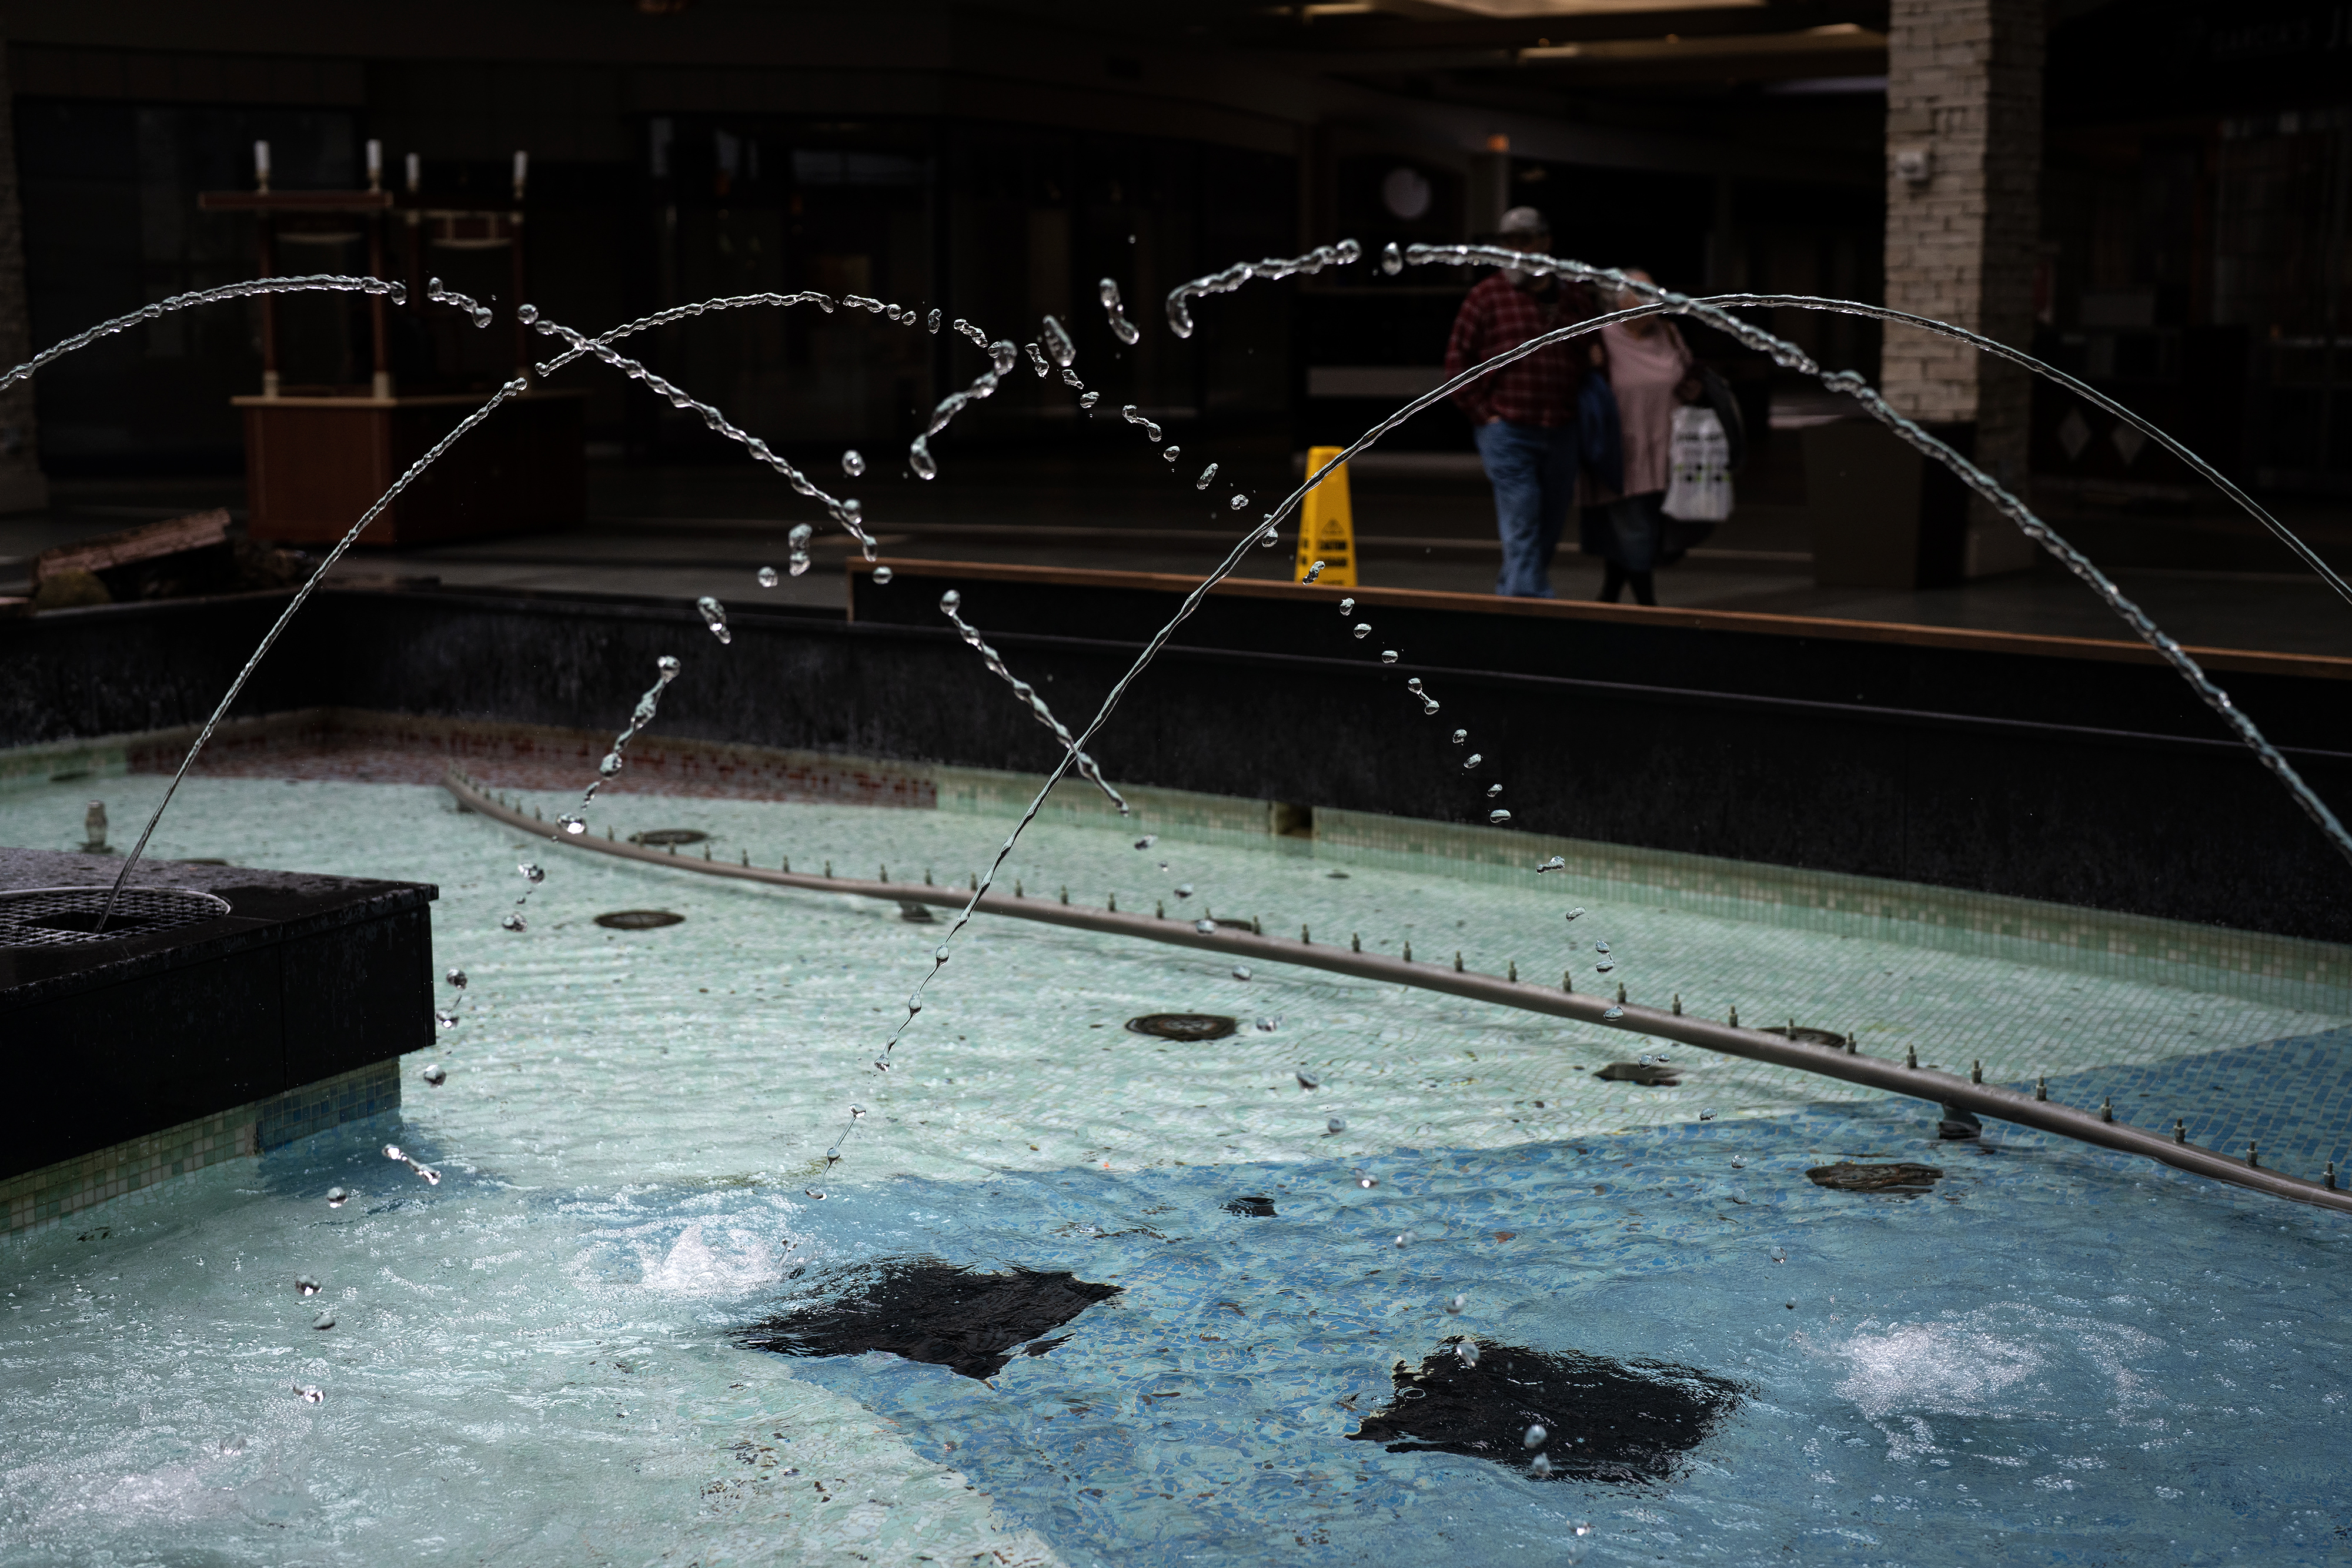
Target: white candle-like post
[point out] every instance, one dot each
(415, 171)
(376, 164)
(261, 165)
(521, 172)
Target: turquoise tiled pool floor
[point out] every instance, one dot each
(2058, 1356)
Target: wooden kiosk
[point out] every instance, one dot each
(318, 456)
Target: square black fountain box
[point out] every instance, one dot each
(306, 976)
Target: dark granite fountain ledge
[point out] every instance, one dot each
(160, 1052)
(42, 1199)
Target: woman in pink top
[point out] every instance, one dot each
(1652, 373)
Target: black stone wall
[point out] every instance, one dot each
(2076, 779)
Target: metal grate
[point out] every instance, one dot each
(57, 916)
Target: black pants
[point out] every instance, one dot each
(1645, 590)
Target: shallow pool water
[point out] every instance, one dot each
(2052, 1355)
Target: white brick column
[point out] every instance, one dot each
(1964, 156)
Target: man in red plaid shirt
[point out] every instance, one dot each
(1523, 415)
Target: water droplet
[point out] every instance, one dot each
(306, 1285)
(325, 1319)
(309, 1395)
(1388, 655)
(814, 1194)
(434, 1073)
(1493, 791)
(1172, 454)
(932, 321)
(456, 978)
(1540, 1466)
(394, 1152)
(858, 1113)
(1314, 572)
(1574, 913)
(1208, 477)
(1361, 629)
(1613, 1011)
(1555, 863)
(882, 575)
(1534, 1437)
(1468, 1351)
(1739, 1162)
(1337, 1125)
(1183, 890)
(1391, 260)
(1238, 501)
(800, 535)
(1457, 1305)
(514, 923)
(1601, 946)
(1147, 841)
(1707, 1114)
(446, 1020)
(1087, 400)
(1308, 1080)
(853, 463)
(572, 823)
(940, 954)
(1058, 344)
(1650, 1059)
(1364, 1179)
(1779, 1255)
(1348, 608)
(1473, 761)
(337, 1197)
(1400, 1241)
(1271, 538)
(1498, 816)
(531, 873)
(714, 615)
(919, 458)
(1241, 972)
(1460, 736)
(1267, 1026)
(1604, 967)
(1206, 927)
(768, 577)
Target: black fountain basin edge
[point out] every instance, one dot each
(265, 907)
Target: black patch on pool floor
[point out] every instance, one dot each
(1605, 1420)
(1251, 1207)
(927, 1309)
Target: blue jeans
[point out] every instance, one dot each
(1533, 469)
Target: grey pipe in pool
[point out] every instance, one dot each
(1896, 1078)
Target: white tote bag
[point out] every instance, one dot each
(1699, 453)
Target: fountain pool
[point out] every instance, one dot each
(2053, 1353)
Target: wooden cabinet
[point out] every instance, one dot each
(314, 465)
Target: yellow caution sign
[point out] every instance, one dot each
(1327, 527)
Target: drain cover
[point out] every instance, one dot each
(1909, 1180)
(667, 836)
(1182, 1026)
(1802, 1035)
(1603, 1420)
(55, 916)
(1643, 1073)
(638, 919)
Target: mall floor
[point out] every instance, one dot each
(2209, 577)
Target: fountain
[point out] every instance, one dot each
(675, 1218)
